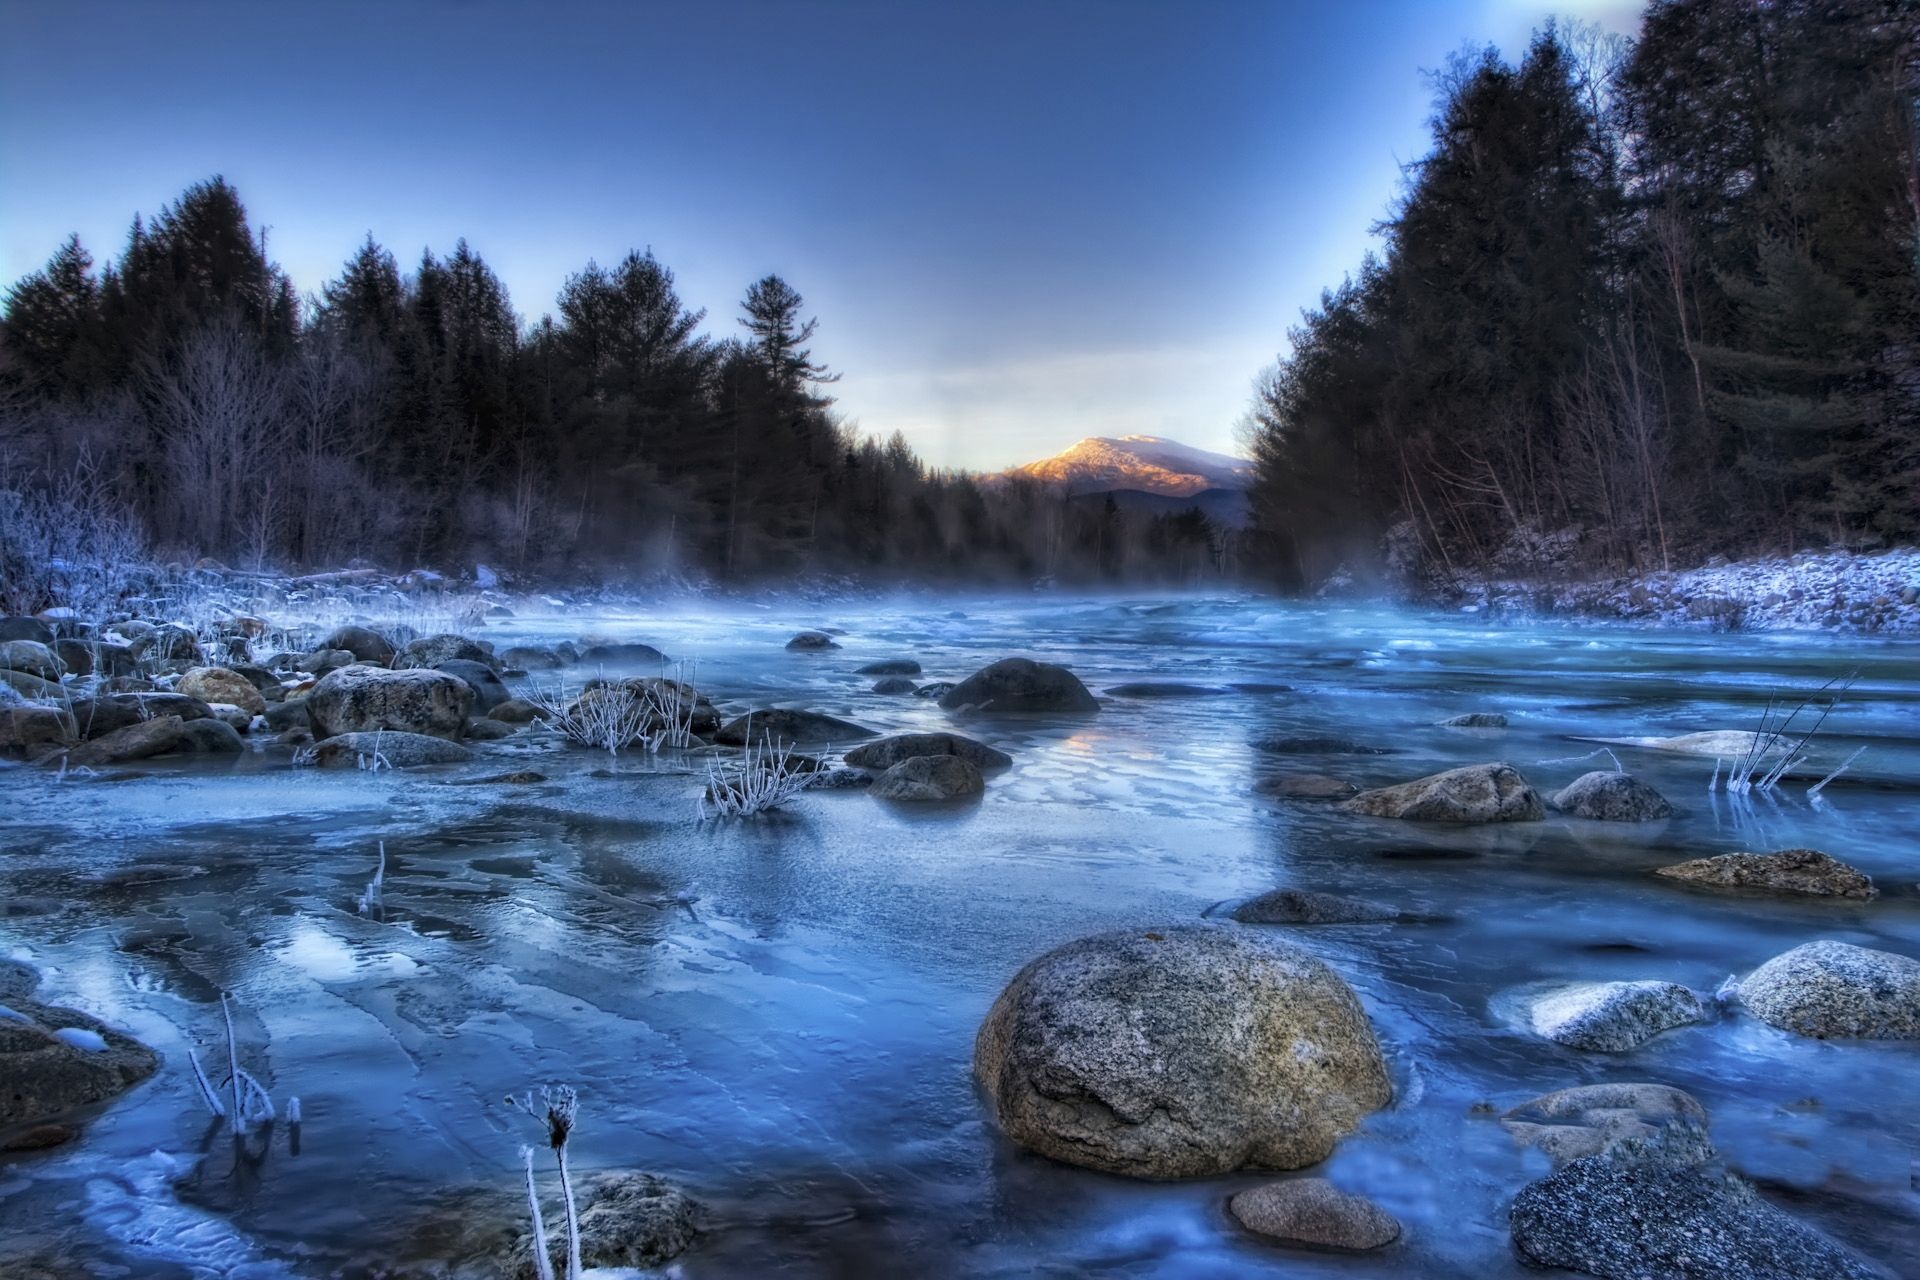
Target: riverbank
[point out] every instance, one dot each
(1838, 591)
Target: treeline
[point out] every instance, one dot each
(1641, 303)
(409, 418)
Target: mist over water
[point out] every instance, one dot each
(779, 1014)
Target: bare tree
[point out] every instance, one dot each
(217, 405)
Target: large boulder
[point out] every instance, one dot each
(1612, 797)
(488, 689)
(1020, 684)
(109, 713)
(32, 657)
(364, 643)
(1613, 1017)
(1312, 1211)
(1631, 1214)
(1473, 793)
(218, 684)
(781, 725)
(1798, 871)
(387, 749)
(138, 741)
(929, 778)
(361, 699)
(431, 651)
(53, 1060)
(1569, 1124)
(1833, 990)
(1188, 1051)
(884, 753)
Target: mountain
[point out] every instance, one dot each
(1144, 464)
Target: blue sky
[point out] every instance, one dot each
(1018, 223)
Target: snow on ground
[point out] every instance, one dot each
(1811, 591)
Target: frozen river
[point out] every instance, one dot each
(778, 1014)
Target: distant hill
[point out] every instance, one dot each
(1148, 474)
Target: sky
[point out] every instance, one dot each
(1018, 224)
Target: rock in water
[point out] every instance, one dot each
(1181, 1052)
(629, 653)
(1473, 793)
(1475, 720)
(488, 690)
(218, 684)
(929, 778)
(781, 725)
(1313, 1211)
(364, 643)
(1299, 746)
(44, 1073)
(211, 736)
(431, 651)
(1632, 1217)
(894, 685)
(1020, 684)
(889, 667)
(514, 711)
(363, 699)
(884, 753)
(387, 749)
(1801, 871)
(1305, 786)
(812, 642)
(1612, 797)
(1612, 1017)
(1304, 906)
(1572, 1123)
(137, 741)
(1833, 990)
(1162, 689)
(626, 1220)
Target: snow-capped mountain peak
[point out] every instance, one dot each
(1150, 464)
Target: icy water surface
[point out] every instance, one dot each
(779, 1014)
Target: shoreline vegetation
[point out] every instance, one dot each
(1641, 304)
(1644, 305)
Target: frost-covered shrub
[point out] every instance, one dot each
(64, 544)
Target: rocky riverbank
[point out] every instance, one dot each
(1876, 594)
